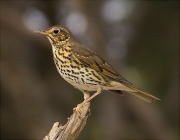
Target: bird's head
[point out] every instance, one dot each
(57, 35)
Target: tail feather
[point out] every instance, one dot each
(126, 86)
(145, 96)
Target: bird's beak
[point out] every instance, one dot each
(42, 32)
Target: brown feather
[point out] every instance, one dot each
(145, 96)
(91, 59)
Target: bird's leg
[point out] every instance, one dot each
(86, 94)
(99, 90)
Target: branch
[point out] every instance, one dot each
(72, 129)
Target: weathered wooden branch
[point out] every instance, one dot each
(72, 129)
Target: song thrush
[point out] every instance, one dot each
(84, 69)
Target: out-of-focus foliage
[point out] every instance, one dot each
(139, 39)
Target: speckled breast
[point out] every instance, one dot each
(77, 74)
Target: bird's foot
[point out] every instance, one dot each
(77, 109)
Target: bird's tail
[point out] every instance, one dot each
(145, 96)
(134, 90)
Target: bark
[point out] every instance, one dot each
(72, 129)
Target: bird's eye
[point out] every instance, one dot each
(56, 31)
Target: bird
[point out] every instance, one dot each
(84, 69)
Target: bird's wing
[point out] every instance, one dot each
(91, 59)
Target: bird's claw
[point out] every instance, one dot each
(77, 109)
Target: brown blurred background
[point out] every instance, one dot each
(139, 39)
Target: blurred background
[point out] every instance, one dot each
(139, 39)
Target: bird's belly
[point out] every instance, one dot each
(81, 77)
